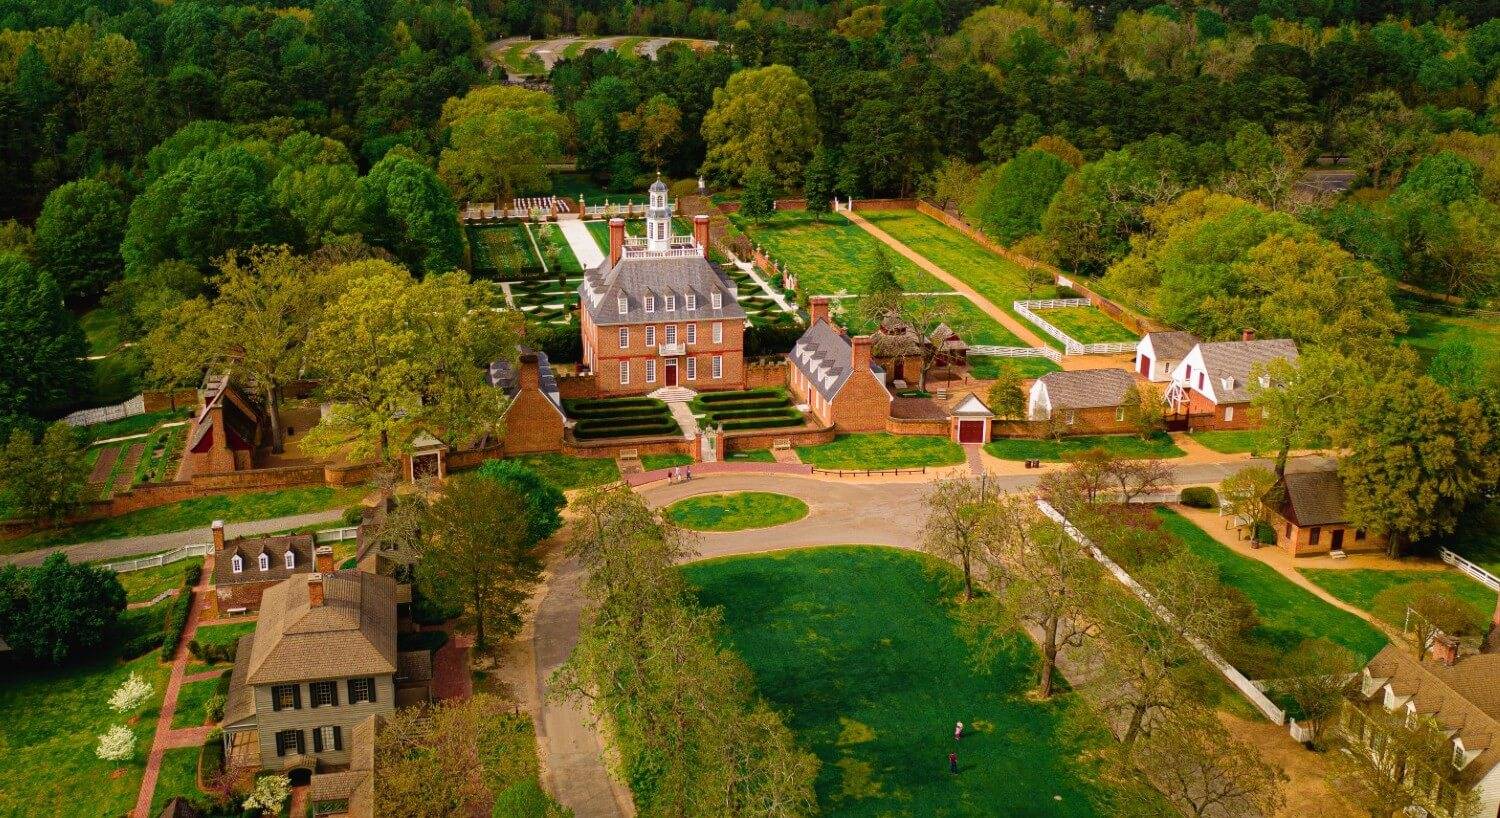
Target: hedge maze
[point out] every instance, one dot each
(599, 418)
(766, 408)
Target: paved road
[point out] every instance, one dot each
(127, 547)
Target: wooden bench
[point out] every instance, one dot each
(782, 445)
(630, 454)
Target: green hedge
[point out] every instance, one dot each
(762, 423)
(175, 622)
(776, 411)
(602, 403)
(716, 408)
(621, 414)
(594, 429)
(762, 392)
(1199, 497)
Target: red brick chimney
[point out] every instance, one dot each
(616, 239)
(323, 559)
(863, 347)
(1247, 335)
(817, 307)
(700, 233)
(315, 590)
(1444, 649)
(529, 371)
(218, 529)
(1492, 639)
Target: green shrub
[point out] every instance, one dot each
(1200, 497)
(585, 404)
(174, 623)
(213, 708)
(428, 611)
(140, 645)
(212, 653)
(591, 429)
(762, 392)
(211, 755)
(776, 411)
(353, 516)
(629, 412)
(526, 799)
(1265, 534)
(762, 423)
(191, 575)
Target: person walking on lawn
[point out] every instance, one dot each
(958, 732)
(953, 763)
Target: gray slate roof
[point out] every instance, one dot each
(824, 355)
(503, 377)
(1087, 388)
(1172, 346)
(635, 278)
(1235, 359)
(1314, 498)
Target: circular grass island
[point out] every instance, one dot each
(736, 511)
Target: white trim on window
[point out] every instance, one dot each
(650, 335)
(291, 560)
(671, 333)
(692, 333)
(624, 337)
(650, 370)
(692, 367)
(671, 303)
(1228, 413)
(237, 564)
(1072, 417)
(1119, 414)
(624, 373)
(718, 367)
(691, 301)
(623, 303)
(265, 562)
(716, 300)
(718, 332)
(650, 303)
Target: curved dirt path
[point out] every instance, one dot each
(1019, 329)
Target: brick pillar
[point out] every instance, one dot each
(817, 307)
(700, 233)
(218, 529)
(616, 239)
(315, 590)
(529, 372)
(323, 559)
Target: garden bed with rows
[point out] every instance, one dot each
(766, 408)
(620, 417)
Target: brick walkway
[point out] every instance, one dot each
(167, 738)
(974, 453)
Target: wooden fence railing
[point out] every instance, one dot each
(1479, 574)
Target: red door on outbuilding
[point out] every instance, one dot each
(1146, 367)
(971, 431)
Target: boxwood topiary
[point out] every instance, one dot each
(1200, 497)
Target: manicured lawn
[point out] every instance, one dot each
(1478, 538)
(860, 649)
(549, 235)
(573, 185)
(1159, 445)
(116, 377)
(1288, 612)
(102, 326)
(987, 367)
(517, 60)
(133, 425)
(651, 462)
(830, 255)
(145, 584)
(499, 251)
(567, 472)
(736, 511)
(223, 635)
(1087, 325)
(997, 279)
(51, 723)
(882, 450)
(179, 776)
(1359, 586)
(753, 456)
(199, 511)
(1235, 441)
(190, 701)
(1427, 331)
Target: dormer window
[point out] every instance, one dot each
(237, 564)
(265, 562)
(291, 560)
(1265, 382)
(624, 304)
(1460, 756)
(650, 303)
(692, 300)
(1228, 383)
(716, 300)
(671, 303)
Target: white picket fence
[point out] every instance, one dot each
(1016, 352)
(104, 414)
(336, 534)
(327, 535)
(1071, 345)
(1241, 682)
(1479, 574)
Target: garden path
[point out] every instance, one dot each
(582, 241)
(165, 737)
(1019, 329)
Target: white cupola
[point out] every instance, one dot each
(658, 218)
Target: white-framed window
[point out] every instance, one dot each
(1119, 414)
(237, 564)
(624, 372)
(624, 337)
(323, 694)
(718, 367)
(650, 303)
(651, 335)
(651, 370)
(692, 333)
(671, 333)
(361, 690)
(692, 369)
(623, 303)
(671, 303)
(291, 560)
(718, 333)
(265, 562)
(1228, 413)
(327, 738)
(692, 300)
(716, 300)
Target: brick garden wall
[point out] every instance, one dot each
(917, 426)
(577, 386)
(884, 204)
(754, 439)
(758, 376)
(643, 445)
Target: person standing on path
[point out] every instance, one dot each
(953, 763)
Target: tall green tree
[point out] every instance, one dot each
(405, 209)
(1014, 196)
(758, 201)
(41, 345)
(762, 117)
(43, 481)
(78, 238)
(818, 182)
(58, 610)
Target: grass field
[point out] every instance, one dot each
(573, 185)
(517, 61)
(53, 717)
(502, 251)
(549, 235)
(987, 367)
(736, 511)
(753, 456)
(1086, 325)
(179, 776)
(998, 279)
(882, 450)
(1427, 331)
(1235, 441)
(1288, 612)
(145, 584)
(1359, 586)
(860, 647)
(831, 255)
(133, 425)
(199, 511)
(568, 472)
(102, 327)
(1159, 445)
(651, 462)
(190, 702)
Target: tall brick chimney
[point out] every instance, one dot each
(817, 307)
(616, 239)
(529, 371)
(1444, 649)
(1247, 334)
(864, 346)
(218, 529)
(315, 590)
(323, 559)
(1492, 639)
(700, 233)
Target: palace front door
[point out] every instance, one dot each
(672, 372)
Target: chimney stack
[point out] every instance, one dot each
(700, 233)
(1492, 639)
(218, 529)
(529, 371)
(315, 590)
(616, 240)
(323, 559)
(863, 348)
(817, 307)
(1247, 335)
(1444, 649)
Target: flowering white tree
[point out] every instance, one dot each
(117, 744)
(269, 794)
(132, 693)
